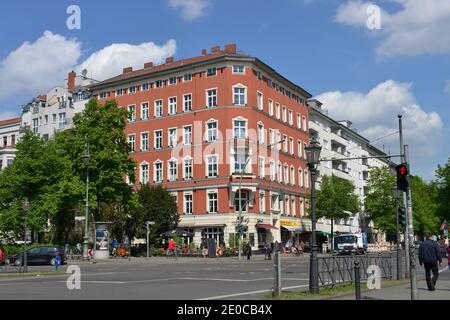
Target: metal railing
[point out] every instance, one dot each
(335, 270)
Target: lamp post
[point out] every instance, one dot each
(239, 222)
(312, 156)
(396, 196)
(148, 223)
(25, 207)
(86, 158)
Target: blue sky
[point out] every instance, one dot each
(325, 46)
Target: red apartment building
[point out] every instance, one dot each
(198, 125)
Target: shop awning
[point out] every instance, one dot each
(328, 233)
(266, 226)
(292, 228)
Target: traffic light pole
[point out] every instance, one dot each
(402, 152)
(412, 246)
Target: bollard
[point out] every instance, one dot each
(357, 281)
(277, 274)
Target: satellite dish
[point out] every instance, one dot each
(84, 72)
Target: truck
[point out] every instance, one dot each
(350, 243)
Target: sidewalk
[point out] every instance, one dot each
(403, 291)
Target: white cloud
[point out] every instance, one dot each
(37, 66)
(375, 115)
(110, 61)
(419, 27)
(34, 68)
(7, 115)
(190, 9)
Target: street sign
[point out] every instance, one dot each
(80, 218)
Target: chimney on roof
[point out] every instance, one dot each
(71, 80)
(127, 70)
(204, 52)
(215, 49)
(148, 65)
(169, 60)
(230, 48)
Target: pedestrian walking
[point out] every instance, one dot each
(249, 251)
(429, 256)
(2, 256)
(448, 256)
(172, 248)
(267, 251)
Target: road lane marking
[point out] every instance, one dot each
(250, 293)
(446, 268)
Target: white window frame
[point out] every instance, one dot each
(187, 100)
(284, 114)
(141, 176)
(185, 76)
(239, 86)
(172, 105)
(261, 167)
(143, 109)
(260, 100)
(292, 175)
(171, 177)
(299, 121)
(261, 132)
(277, 110)
(156, 140)
(132, 142)
(209, 192)
(213, 97)
(271, 108)
(241, 119)
(207, 163)
(286, 173)
(210, 121)
(290, 117)
(272, 170)
(159, 107)
(185, 142)
(238, 72)
(155, 175)
(185, 211)
(304, 125)
(170, 80)
(300, 177)
(291, 145)
(172, 142)
(142, 141)
(132, 115)
(185, 160)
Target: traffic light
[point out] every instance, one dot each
(402, 174)
(402, 216)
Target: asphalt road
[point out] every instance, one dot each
(163, 279)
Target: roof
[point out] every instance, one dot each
(10, 121)
(211, 57)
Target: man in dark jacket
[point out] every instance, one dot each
(429, 256)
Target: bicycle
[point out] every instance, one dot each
(173, 253)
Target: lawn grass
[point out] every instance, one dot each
(325, 293)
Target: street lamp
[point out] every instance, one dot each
(86, 158)
(239, 222)
(396, 196)
(313, 158)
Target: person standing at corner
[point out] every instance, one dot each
(448, 256)
(429, 256)
(249, 251)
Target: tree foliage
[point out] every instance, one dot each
(442, 191)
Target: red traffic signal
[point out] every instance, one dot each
(402, 170)
(402, 173)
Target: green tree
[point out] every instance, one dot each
(336, 200)
(442, 191)
(155, 204)
(424, 207)
(379, 202)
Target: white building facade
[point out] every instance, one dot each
(9, 135)
(340, 141)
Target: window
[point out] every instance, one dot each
(158, 84)
(145, 86)
(240, 203)
(132, 89)
(285, 143)
(286, 174)
(304, 123)
(261, 167)
(173, 172)
(306, 179)
(284, 114)
(261, 133)
(172, 105)
(272, 170)
(299, 147)
(144, 141)
(188, 203)
(13, 140)
(240, 159)
(272, 137)
(36, 125)
(62, 120)
(299, 124)
(132, 113)
(280, 173)
(274, 202)
(291, 145)
(120, 92)
(212, 202)
(238, 69)
(158, 139)
(270, 108)
(144, 111)
(187, 77)
(158, 172)
(187, 102)
(286, 200)
(278, 145)
(302, 207)
(239, 96)
(158, 108)
(278, 111)
(211, 72)
(211, 98)
(211, 166)
(291, 120)
(103, 95)
(172, 137)
(211, 134)
(259, 97)
(54, 118)
(132, 142)
(262, 203)
(187, 135)
(187, 169)
(293, 176)
(240, 129)
(144, 173)
(172, 81)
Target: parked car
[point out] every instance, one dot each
(39, 256)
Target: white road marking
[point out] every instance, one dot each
(249, 293)
(446, 268)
